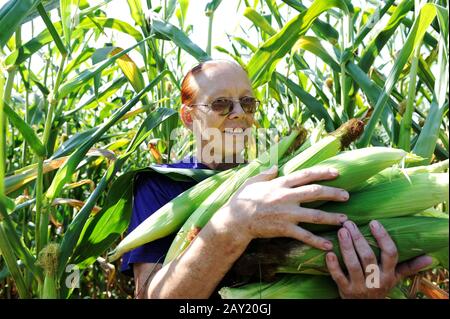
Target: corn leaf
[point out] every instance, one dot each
(169, 31)
(102, 229)
(310, 102)
(27, 132)
(21, 54)
(75, 83)
(75, 228)
(264, 61)
(12, 14)
(69, 167)
(415, 36)
(137, 12)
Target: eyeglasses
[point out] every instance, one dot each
(224, 106)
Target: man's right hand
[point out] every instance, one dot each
(267, 207)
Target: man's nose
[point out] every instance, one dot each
(237, 111)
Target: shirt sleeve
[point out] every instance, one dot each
(151, 192)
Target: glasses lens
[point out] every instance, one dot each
(249, 104)
(222, 106)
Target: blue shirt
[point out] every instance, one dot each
(151, 192)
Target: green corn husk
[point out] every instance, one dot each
(171, 216)
(356, 166)
(391, 173)
(220, 196)
(48, 260)
(293, 286)
(413, 235)
(327, 147)
(398, 197)
(286, 287)
(316, 135)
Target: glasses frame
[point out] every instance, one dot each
(209, 105)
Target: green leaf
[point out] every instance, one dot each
(21, 54)
(211, 7)
(52, 30)
(373, 49)
(75, 229)
(321, 29)
(310, 102)
(184, 5)
(104, 93)
(12, 14)
(78, 60)
(146, 128)
(259, 21)
(27, 132)
(442, 257)
(75, 83)
(179, 38)
(265, 60)
(313, 45)
(170, 9)
(415, 36)
(73, 142)
(104, 228)
(373, 20)
(69, 167)
(137, 13)
(245, 43)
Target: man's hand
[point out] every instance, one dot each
(358, 256)
(267, 207)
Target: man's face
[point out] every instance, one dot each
(221, 80)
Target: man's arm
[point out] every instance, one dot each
(263, 207)
(143, 274)
(197, 272)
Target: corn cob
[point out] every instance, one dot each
(221, 195)
(48, 260)
(399, 197)
(413, 236)
(325, 148)
(286, 287)
(293, 286)
(356, 166)
(171, 216)
(395, 172)
(316, 135)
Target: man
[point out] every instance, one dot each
(218, 95)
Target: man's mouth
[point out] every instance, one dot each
(234, 131)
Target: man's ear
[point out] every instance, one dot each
(186, 116)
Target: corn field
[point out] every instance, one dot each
(80, 107)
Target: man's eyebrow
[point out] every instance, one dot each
(247, 91)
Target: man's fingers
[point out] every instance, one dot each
(314, 192)
(308, 238)
(267, 175)
(389, 253)
(365, 253)
(315, 216)
(335, 271)
(350, 257)
(412, 267)
(307, 176)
